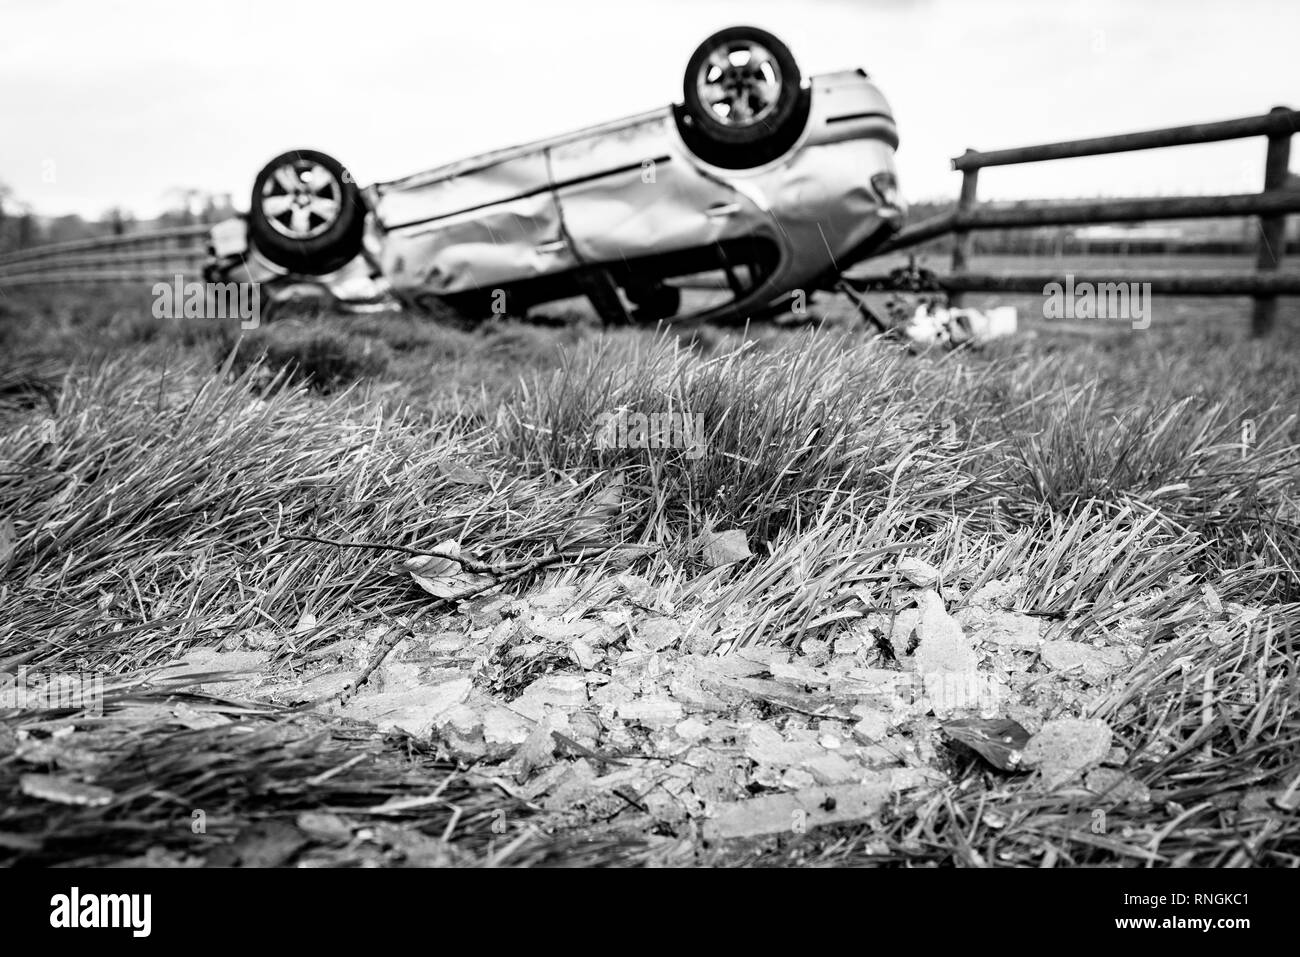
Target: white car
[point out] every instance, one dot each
(773, 183)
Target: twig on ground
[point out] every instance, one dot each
(465, 561)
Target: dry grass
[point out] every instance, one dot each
(151, 511)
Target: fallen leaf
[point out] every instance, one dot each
(591, 525)
(442, 577)
(1000, 741)
(723, 548)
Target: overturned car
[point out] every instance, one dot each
(770, 183)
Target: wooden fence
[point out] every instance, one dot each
(143, 256)
(1271, 206)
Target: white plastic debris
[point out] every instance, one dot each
(954, 327)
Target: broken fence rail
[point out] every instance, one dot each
(1271, 206)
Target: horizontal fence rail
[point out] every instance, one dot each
(141, 256)
(1169, 284)
(1272, 203)
(1278, 122)
(1271, 206)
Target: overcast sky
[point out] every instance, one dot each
(105, 103)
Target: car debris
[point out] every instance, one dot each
(955, 327)
(814, 807)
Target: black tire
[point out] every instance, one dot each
(745, 88)
(306, 242)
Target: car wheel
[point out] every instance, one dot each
(306, 213)
(742, 87)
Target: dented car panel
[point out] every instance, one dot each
(493, 225)
(637, 193)
(504, 243)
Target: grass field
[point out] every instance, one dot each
(1125, 503)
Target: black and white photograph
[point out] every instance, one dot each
(691, 434)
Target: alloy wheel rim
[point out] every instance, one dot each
(301, 199)
(739, 83)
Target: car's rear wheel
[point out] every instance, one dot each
(742, 88)
(306, 213)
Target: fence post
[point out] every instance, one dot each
(1272, 229)
(961, 237)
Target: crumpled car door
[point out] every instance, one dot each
(492, 223)
(631, 192)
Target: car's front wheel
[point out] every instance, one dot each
(306, 213)
(743, 101)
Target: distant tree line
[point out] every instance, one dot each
(21, 227)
